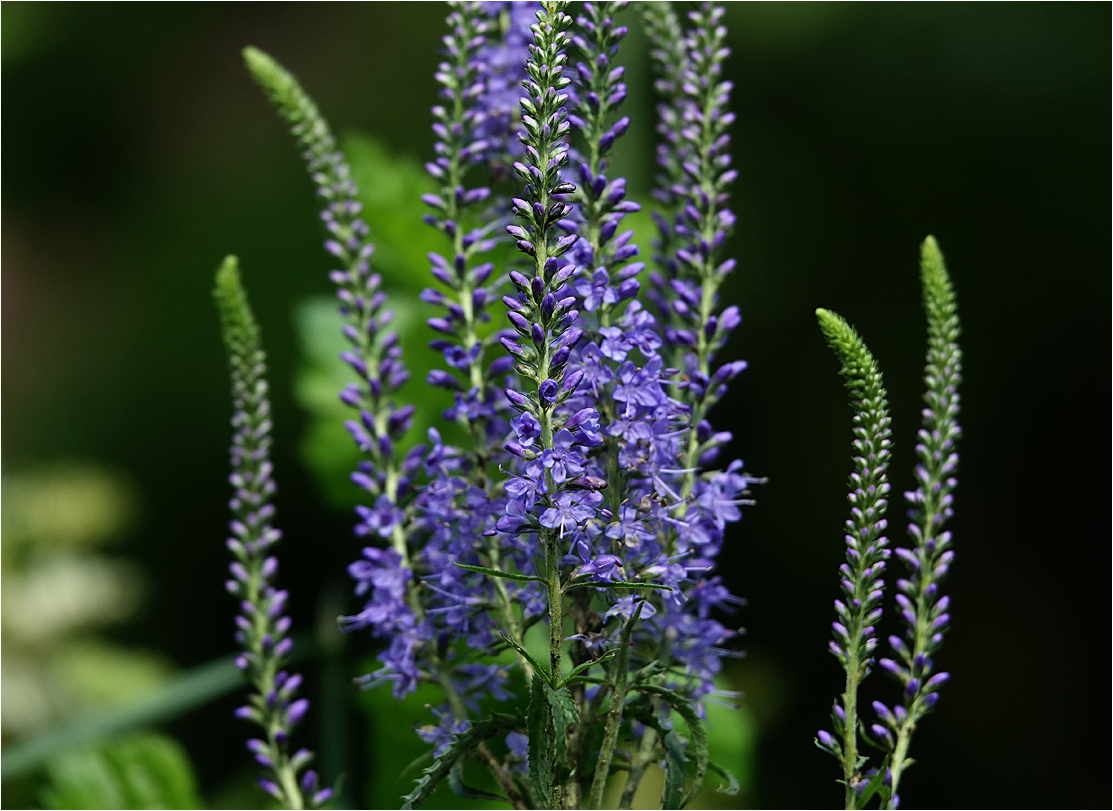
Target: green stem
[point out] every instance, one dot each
(614, 715)
(850, 739)
(638, 764)
(900, 756)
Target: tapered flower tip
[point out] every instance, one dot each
(263, 67)
(830, 322)
(275, 79)
(228, 276)
(929, 251)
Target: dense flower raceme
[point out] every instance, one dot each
(262, 626)
(694, 156)
(923, 610)
(597, 454)
(375, 357)
(584, 488)
(866, 545)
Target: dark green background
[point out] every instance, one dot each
(136, 153)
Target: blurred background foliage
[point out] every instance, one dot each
(137, 153)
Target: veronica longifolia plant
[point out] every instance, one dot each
(922, 609)
(553, 576)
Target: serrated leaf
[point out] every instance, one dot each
(576, 671)
(699, 734)
(620, 584)
(521, 578)
(564, 714)
(537, 717)
(732, 787)
(673, 795)
(461, 745)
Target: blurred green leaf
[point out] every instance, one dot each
(326, 447)
(103, 673)
(192, 689)
(146, 770)
(390, 188)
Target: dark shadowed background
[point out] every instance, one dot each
(137, 153)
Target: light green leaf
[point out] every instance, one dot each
(732, 787)
(875, 785)
(146, 770)
(673, 795)
(529, 658)
(581, 669)
(540, 767)
(620, 584)
(462, 789)
(695, 725)
(521, 578)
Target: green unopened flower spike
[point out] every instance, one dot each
(854, 631)
(923, 609)
(262, 625)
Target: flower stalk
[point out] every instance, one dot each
(263, 628)
(854, 630)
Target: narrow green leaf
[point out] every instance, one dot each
(673, 795)
(462, 745)
(621, 584)
(180, 695)
(876, 784)
(573, 675)
(529, 658)
(540, 769)
(146, 770)
(521, 578)
(732, 787)
(587, 680)
(413, 764)
(699, 734)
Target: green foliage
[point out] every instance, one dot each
(876, 785)
(578, 673)
(521, 578)
(461, 747)
(732, 786)
(390, 189)
(180, 695)
(699, 742)
(146, 770)
(673, 795)
(620, 584)
(540, 769)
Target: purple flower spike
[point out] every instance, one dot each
(261, 627)
(929, 557)
(866, 545)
